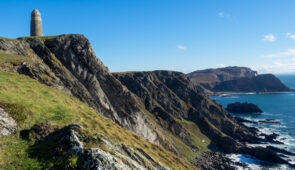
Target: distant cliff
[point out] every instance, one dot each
(259, 84)
(236, 79)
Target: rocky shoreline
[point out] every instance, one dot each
(268, 152)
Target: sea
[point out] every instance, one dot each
(278, 106)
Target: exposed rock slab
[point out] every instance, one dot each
(7, 124)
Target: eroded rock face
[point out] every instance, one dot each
(7, 124)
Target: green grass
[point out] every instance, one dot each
(31, 102)
(196, 135)
(11, 58)
(18, 112)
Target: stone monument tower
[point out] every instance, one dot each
(36, 23)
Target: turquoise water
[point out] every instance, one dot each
(279, 106)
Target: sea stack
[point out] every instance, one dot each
(36, 23)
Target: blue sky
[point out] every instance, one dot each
(181, 35)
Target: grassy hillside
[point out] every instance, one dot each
(30, 102)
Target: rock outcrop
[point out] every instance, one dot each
(73, 141)
(7, 124)
(243, 108)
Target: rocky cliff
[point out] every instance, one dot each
(68, 63)
(235, 79)
(170, 96)
(162, 107)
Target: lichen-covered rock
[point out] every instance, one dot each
(7, 124)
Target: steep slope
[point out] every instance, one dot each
(166, 109)
(57, 130)
(68, 63)
(171, 96)
(173, 99)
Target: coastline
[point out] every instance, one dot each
(220, 94)
(280, 130)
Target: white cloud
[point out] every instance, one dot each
(269, 38)
(223, 14)
(288, 53)
(181, 47)
(290, 35)
(276, 67)
(220, 65)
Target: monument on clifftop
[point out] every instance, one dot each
(36, 23)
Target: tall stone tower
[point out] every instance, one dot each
(36, 23)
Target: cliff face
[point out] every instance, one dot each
(170, 96)
(235, 79)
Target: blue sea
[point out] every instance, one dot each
(278, 106)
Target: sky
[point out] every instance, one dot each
(180, 35)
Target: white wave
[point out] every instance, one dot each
(253, 164)
(278, 126)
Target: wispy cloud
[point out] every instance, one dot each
(288, 53)
(220, 65)
(181, 47)
(269, 38)
(290, 35)
(223, 14)
(278, 66)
